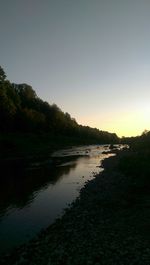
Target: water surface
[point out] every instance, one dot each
(31, 200)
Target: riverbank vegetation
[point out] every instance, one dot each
(136, 166)
(28, 123)
(109, 222)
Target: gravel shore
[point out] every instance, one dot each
(104, 226)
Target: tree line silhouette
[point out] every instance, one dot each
(21, 110)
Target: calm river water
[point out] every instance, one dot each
(31, 200)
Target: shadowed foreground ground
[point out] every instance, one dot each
(108, 225)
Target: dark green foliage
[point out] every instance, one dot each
(138, 143)
(2, 75)
(8, 106)
(136, 165)
(138, 161)
(22, 111)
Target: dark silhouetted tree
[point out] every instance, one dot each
(2, 75)
(21, 110)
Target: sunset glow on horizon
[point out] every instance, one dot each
(91, 58)
(126, 124)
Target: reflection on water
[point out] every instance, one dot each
(19, 190)
(31, 199)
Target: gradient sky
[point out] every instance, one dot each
(90, 57)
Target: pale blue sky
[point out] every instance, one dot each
(90, 57)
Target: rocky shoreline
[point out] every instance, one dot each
(102, 227)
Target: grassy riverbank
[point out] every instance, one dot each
(108, 224)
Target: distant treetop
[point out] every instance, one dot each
(2, 75)
(22, 110)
